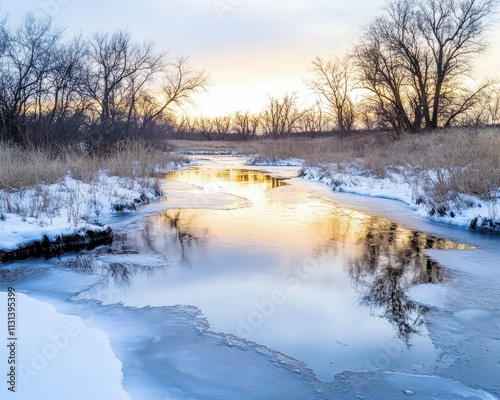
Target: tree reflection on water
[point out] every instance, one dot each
(172, 235)
(383, 259)
(391, 259)
(118, 273)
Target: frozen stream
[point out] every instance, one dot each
(275, 281)
(289, 270)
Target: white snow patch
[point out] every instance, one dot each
(58, 357)
(429, 294)
(275, 162)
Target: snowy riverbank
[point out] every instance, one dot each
(405, 185)
(50, 219)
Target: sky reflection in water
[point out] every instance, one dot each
(293, 271)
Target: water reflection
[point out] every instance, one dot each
(168, 234)
(224, 177)
(119, 274)
(171, 234)
(342, 272)
(383, 259)
(19, 273)
(391, 260)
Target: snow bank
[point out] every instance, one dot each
(400, 184)
(51, 213)
(275, 162)
(205, 153)
(57, 356)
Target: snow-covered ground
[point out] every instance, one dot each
(43, 346)
(68, 207)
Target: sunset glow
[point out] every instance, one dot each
(249, 48)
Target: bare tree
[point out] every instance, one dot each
(414, 59)
(179, 83)
(314, 120)
(206, 127)
(455, 32)
(280, 117)
(246, 124)
(135, 87)
(119, 68)
(334, 81)
(27, 60)
(66, 100)
(482, 108)
(100, 89)
(186, 126)
(222, 125)
(492, 104)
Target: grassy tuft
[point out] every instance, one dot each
(22, 168)
(26, 168)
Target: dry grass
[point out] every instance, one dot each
(131, 158)
(23, 168)
(26, 173)
(20, 168)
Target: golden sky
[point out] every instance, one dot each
(250, 48)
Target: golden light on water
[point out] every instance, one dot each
(277, 217)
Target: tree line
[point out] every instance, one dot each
(410, 70)
(280, 118)
(92, 91)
